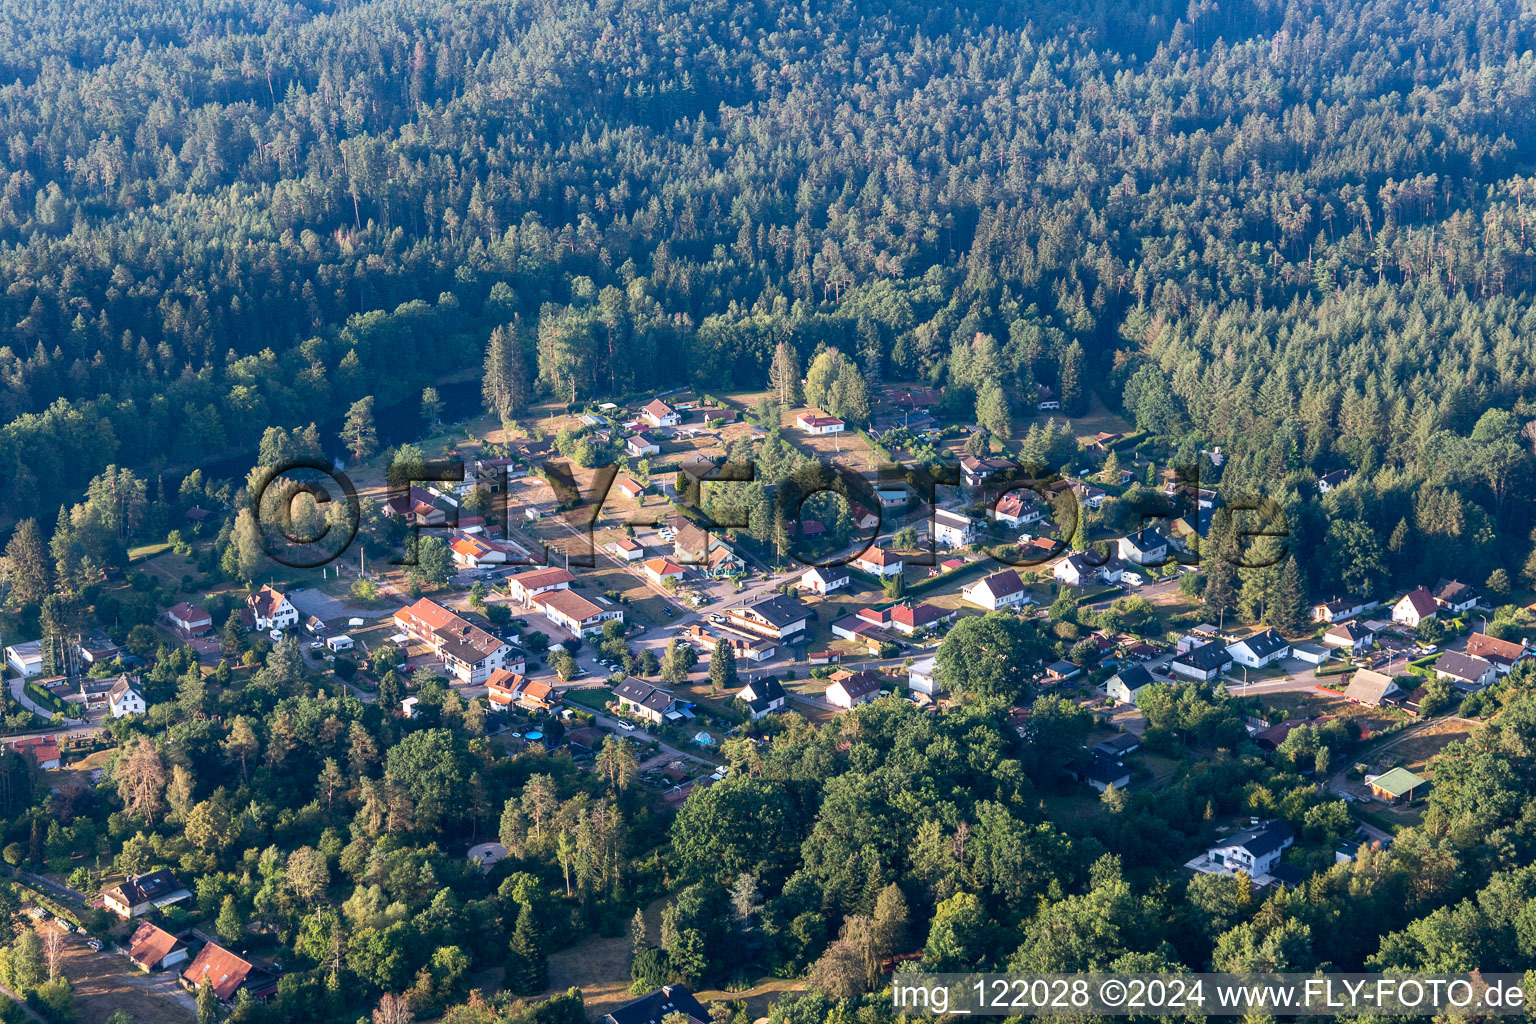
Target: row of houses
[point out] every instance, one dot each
(468, 652)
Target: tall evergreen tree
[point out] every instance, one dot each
(504, 386)
(528, 970)
(1288, 613)
(722, 667)
(24, 567)
(358, 432)
(784, 375)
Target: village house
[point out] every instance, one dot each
(977, 470)
(1340, 609)
(908, 619)
(1415, 607)
(469, 653)
(1102, 772)
(1453, 595)
(823, 580)
(1060, 671)
(1124, 685)
(852, 688)
(639, 446)
(659, 414)
(1144, 547)
(1504, 654)
(190, 619)
(1253, 851)
(643, 700)
(773, 616)
(763, 697)
(1396, 786)
(136, 895)
(271, 609)
(864, 518)
(660, 570)
(920, 677)
(45, 749)
(1260, 649)
(816, 423)
(1466, 671)
(493, 475)
(631, 489)
(26, 658)
(879, 562)
(1202, 664)
(226, 974)
(1370, 688)
(1000, 590)
(953, 530)
(627, 550)
(1328, 481)
(524, 587)
(1017, 509)
(414, 505)
(658, 1006)
(124, 699)
(472, 551)
(574, 613)
(154, 949)
(1078, 569)
(1353, 635)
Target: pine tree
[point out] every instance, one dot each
(784, 375)
(528, 972)
(1288, 613)
(207, 1004)
(232, 637)
(1220, 595)
(504, 385)
(1071, 373)
(639, 941)
(24, 568)
(722, 668)
(358, 431)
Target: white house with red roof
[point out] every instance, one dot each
(659, 570)
(469, 653)
(472, 551)
(1000, 590)
(630, 489)
(526, 586)
(190, 619)
(627, 549)
(1415, 607)
(659, 414)
(271, 609)
(574, 613)
(880, 562)
(818, 423)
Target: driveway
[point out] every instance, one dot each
(323, 606)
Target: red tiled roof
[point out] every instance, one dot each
(150, 945)
(657, 408)
(881, 557)
(265, 602)
(222, 969)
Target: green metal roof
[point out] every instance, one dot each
(1398, 782)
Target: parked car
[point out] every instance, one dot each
(626, 726)
(94, 944)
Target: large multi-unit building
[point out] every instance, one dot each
(469, 653)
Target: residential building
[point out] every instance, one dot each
(190, 619)
(95, 692)
(1353, 635)
(880, 562)
(894, 495)
(271, 609)
(1254, 850)
(999, 590)
(1504, 654)
(44, 748)
(1370, 688)
(1101, 772)
(226, 973)
(639, 446)
(691, 543)
(1328, 481)
(819, 423)
(627, 550)
(643, 700)
(526, 586)
(1118, 745)
(1415, 607)
(1144, 547)
(1467, 671)
(864, 518)
(849, 689)
(1453, 595)
(154, 949)
(659, 414)
(773, 616)
(1202, 664)
(920, 677)
(414, 505)
(976, 470)
(1340, 609)
(138, 894)
(908, 619)
(26, 659)
(1260, 649)
(763, 697)
(1312, 654)
(1396, 786)
(1061, 671)
(659, 570)
(1079, 569)
(469, 653)
(474, 551)
(98, 647)
(1016, 509)
(502, 688)
(823, 580)
(124, 699)
(630, 489)
(574, 613)
(953, 530)
(657, 1006)
(1124, 685)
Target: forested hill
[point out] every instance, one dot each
(1310, 220)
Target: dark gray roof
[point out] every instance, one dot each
(638, 691)
(1262, 839)
(779, 610)
(1462, 666)
(1134, 677)
(1120, 743)
(653, 1008)
(1264, 644)
(763, 692)
(1205, 657)
(1106, 771)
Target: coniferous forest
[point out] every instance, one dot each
(1286, 243)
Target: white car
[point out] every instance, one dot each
(277, 635)
(626, 726)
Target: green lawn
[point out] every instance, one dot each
(594, 698)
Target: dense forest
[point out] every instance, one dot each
(1292, 232)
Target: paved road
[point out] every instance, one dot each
(75, 728)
